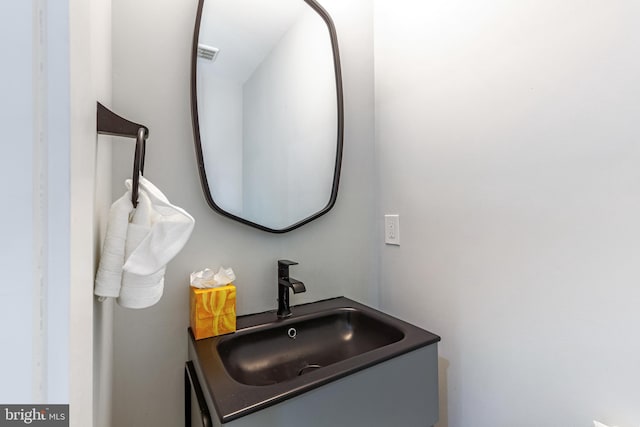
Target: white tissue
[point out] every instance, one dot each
(224, 276)
(208, 279)
(598, 424)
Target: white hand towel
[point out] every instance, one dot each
(170, 228)
(154, 232)
(109, 277)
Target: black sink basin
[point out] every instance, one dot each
(280, 352)
(268, 360)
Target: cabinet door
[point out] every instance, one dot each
(196, 413)
(196, 417)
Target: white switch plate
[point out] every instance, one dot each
(392, 229)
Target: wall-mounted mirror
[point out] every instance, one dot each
(266, 97)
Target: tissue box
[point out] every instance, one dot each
(213, 311)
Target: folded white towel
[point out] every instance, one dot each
(139, 244)
(109, 276)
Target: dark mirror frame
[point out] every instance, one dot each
(340, 110)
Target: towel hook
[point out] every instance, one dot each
(138, 164)
(109, 123)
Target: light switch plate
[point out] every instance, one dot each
(392, 229)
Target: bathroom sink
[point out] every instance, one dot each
(279, 352)
(269, 360)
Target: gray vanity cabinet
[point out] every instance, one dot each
(402, 391)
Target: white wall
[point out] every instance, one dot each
(48, 122)
(507, 140)
(336, 252)
(55, 145)
(288, 170)
(34, 292)
(17, 260)
(220, 115)
(90, 176)
(101, 76)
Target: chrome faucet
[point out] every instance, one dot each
(284, 283)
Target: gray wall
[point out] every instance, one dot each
(151, 60)
(508, 143)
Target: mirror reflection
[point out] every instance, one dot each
(268, 104)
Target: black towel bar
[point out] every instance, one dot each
(109, 123)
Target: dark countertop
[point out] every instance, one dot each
(233, 399)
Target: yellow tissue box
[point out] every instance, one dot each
(212, 311)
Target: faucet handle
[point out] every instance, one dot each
(283, 268)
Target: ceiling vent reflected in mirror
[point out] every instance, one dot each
(207, 52)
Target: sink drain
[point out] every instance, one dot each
(308, 368)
